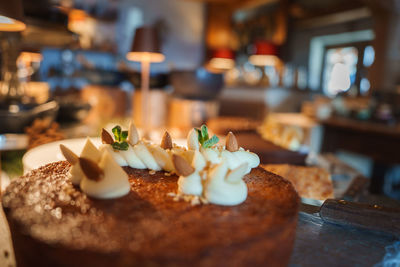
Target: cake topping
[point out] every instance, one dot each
(190, 181)
(91, 170)
(226, 188)
(133, 135)
(146, 156)
(199, 162)
(114, 182)
(89, 151)
(120, 138)
(204, 139)
(166, 142)
(70, 156)
(182, 167)
(231, 142)
(193, 140)
(106, 138)
(208, 172)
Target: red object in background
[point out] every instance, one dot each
(265, 53)
(222, 59)
(265, 48)
(224, 53)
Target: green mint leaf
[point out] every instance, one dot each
(210, 142)
(124, 135)
(120, 146)
(124, 146)
(115, 145)
(204, 132)
(117, 132)
(199, 135)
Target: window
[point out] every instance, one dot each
(340, 69)
(346, 66)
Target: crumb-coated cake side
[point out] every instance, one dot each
(54, 224)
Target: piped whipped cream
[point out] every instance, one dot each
(218, 173)
(89, 151)
(114, 182)
(144, 155)
(224, 187)
(210, 172)
(191, 184)
(97, 172)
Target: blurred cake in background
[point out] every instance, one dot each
(310, 182)
(223, 125)
(292, 131)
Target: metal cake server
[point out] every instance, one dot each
(360, 215)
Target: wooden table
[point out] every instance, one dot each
(378, 141)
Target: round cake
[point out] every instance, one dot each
(53, 223)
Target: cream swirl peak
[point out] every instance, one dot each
(97, 173)
(141, 154)
(105, 179)
(89, 151)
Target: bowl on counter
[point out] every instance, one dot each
(15, 117)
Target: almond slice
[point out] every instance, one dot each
(91, 169)
(231, 142)
(166, 142)
(133, 135)
(182, 167)
(106, 137)
(70, 156)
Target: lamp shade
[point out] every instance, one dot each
(11, 16)
(222, 59)
(265, 48)
(265, 54)
(146, 46)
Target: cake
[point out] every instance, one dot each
(222, 125)
(56, 223)
(310, 182)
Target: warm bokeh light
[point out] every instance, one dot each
(11, 25)
(145, 56)
(263, 60)
(28, 57)
(222, 63)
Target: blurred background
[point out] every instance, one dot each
(303, 82)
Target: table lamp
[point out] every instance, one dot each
(222, 59)
(265, 54)
(11, 16)
(146, 50)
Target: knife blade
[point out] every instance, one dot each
(353, 214)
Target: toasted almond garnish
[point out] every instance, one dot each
(182, 167)
(70, 156)
(231, 142)
(133, 135)
(106, 137)
(91, 169)
(166, 142)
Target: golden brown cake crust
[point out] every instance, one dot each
(54, 224)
